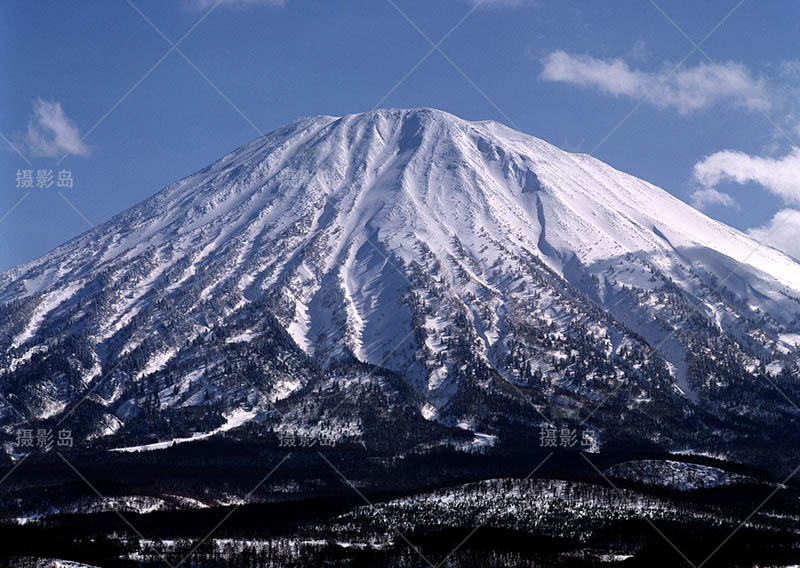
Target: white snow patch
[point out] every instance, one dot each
(232, 420)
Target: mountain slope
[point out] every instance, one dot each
(494, 277)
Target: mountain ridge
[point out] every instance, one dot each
(468, 258)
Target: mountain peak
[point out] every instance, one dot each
(426, 170)
(463, 256)
(413, 113)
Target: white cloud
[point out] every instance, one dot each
(207, 4)
(687, 90)
(705, 197)
(782, 232)
(52, 133)
(780, 176)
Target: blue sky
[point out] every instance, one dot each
(84, 92)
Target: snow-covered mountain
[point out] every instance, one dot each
(471, 275)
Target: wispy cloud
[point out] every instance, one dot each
(207, 4)
(782, 232)
(51, 133)
(687, 90)
(639, 51)
(780, 176)
(705, 197)
(790, 68)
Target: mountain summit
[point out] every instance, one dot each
(467, 275)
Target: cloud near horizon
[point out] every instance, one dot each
(704, 197)
(687, 90)
(782, 232)
(51, 133)
(780, 176)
